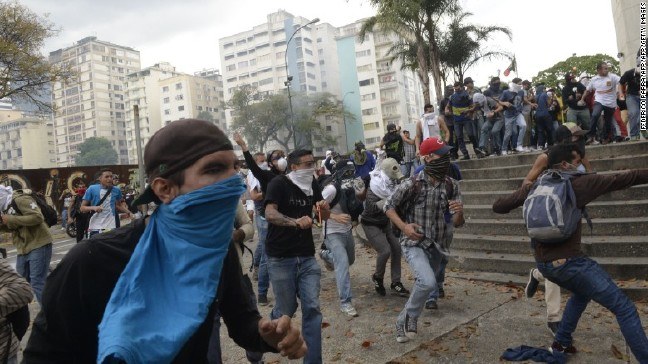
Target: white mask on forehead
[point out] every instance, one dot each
(6, 194)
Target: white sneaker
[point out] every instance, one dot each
(348, 309)
(520, 149)
(504, 152)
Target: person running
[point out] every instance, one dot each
(566, 265)
(130, 295)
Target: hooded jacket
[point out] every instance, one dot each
(28, 228)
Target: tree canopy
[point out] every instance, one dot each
(580, 66)
(96, 152)
(267, 118)
(24, 72)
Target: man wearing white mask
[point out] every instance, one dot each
(430, 125)
(262, 174)
(30, 236)
(290, 206)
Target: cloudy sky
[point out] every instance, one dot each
(186, 32)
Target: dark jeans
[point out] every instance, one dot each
(459, 132)
(608, 114)
(588, 281)
(544, 125)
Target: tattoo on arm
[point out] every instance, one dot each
(276, 218)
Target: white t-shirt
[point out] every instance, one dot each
(333, 226)
(430, 125)
(106, 218)
(605, 89)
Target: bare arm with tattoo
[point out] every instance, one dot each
(275, 217)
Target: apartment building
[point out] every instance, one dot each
(26, 142)
(185, 96)
(143, 89)
(94, 104)
(377, 91)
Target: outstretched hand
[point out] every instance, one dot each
(281, 335)
(239, 140)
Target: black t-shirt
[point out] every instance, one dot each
(631, 80)
(291, 201)
(569, 91)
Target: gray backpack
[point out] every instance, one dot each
(550, 211)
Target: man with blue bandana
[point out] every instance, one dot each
(148, 292)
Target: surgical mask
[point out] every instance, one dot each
(549, 94)
(263, 166)
(438, 168)
(281, 164)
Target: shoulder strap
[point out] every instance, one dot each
(105, 196)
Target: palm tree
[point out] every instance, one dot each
(461, 45)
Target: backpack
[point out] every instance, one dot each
(550, 212)
(349, 202)
(49, 214)
(75, 209)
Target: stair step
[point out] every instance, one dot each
(618, 267)
(606, 226)
(636, 290)
(595, 246)
(595, 210)
(488, 197)
(592, 151)
(512, 171)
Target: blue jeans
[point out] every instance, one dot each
(514, 129)
(492, 127)
(425, 281)
(261, 256)
(64, 215)
(301, 276)
(406, 167)
(341, 253)
(440, 277)
(588, 281)
(608, 114)
(34, 266)
(633, 103)
(545, 130)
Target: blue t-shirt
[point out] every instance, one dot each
(515, 98)
(460, 103)
(543, 108)
(363, 170)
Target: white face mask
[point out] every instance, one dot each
(303, 178)
(263, 166)
(6, 195)
(281, 164)
(515, 87)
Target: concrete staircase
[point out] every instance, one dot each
(494, 247)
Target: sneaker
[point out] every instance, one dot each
(441, 292)
(348, 309)
(503, 153)
(255, 273)
(520, 150)
(595, 142)
(532, 285)
(561, 349)
(400, 333)
(480, 152)
(378, 285)
(398, 289)
(553, 327)
(431, 305)
(262, 300)
(411, 329)
(626, 139)
(465, 158)
(63, 228)
(324, 255)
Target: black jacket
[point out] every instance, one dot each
(78, 290)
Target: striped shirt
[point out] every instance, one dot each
(15, 292)
(428, 210)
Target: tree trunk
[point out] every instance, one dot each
(423, 70)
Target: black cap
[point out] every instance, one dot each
(468, 80)
(391, 126)
(176, 147)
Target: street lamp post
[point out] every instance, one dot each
(290, 78)
(346, 135)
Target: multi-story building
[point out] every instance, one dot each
(143, 89)
(626, 23)
(374, 87)
(185, 96)
(27, 142)
(94, 104)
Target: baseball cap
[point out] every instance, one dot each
(176, 147)
(575, 129)
(468, 80)
(391, 168)
(434, 145)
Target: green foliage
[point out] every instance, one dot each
(262, 119)
(462, 46)
(96, 152)
(580, 66)
(205, 115)
(24, 72)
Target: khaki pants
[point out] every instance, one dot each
(552, 297)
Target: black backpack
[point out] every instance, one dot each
(50, 215)
(345, 196)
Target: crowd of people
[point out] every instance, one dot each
(157, 289)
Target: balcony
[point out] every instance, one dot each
(388, 85)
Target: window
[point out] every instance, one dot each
(253, 62)
(267, 81)
(178, 86)
(179, 97)
(367, 82)
(371, 96)
(231, 67)
(364, 53)
(243, 64)
(329, 128)
(365, 68)
(181, 108)
(308, 51)
(371, 111)
(166, 100)
(167, 112)
(229, 56)
(371, 126)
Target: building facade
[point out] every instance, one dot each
(94, 105)
(27, 142)
(185, 96)
(626, 23)
(143, 89)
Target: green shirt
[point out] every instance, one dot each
(28, 228)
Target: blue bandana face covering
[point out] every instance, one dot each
(165, 292)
